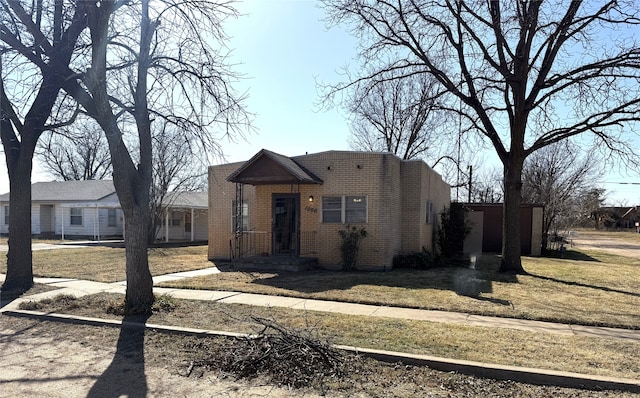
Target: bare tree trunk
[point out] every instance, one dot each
(511, 245)
(132, 183)
(139, 294)
(19, 257)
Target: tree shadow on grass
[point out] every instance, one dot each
(438, 278)
(125, 375)
(580, 284)
(569, 255)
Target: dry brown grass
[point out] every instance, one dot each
(107, 264)
(583, 289)
(177, 353)
(493, 345)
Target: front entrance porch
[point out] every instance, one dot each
(275, 239)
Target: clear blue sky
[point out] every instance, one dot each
(283, 47)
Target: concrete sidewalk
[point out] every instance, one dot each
(81, 288)
(496, 371)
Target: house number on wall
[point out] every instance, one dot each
(310, 209)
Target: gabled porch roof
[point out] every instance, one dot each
(268, 167)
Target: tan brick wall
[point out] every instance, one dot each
(396, 192)
(221, 196)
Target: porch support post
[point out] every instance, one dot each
(62, 221)
(193, 221)
(166, 225)
(98, 221)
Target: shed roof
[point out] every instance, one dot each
(268, 167)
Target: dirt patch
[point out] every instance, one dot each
(62, 360)
(44, 359)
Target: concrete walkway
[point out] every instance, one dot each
(80, 288)
(523, 374)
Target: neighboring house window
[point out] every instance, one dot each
(243, 213)
(176, 218)
(112, 218)
(6, 215)
(76, 216)
(332, 209)
(429, 212)
(187, 222)
(344, 209)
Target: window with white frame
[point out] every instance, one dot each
(239, 216)
(429, 212)
(6, 215)
(112, 220)
(176, 218)
(344, 209)
(75, 216)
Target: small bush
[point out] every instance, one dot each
(115, 307)
(30, 305)
(452, 231)
(68, 301)
(420, 260)
(65, 301)
(164, 303)
(351, 238)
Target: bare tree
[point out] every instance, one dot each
(38, 42)
(555, 176)
(175, 72)
(589, 211)
(403, 116)
(146, 64)
(396, 116)
(525, 74)
(487, 185)
(76, 152)
(178, 165)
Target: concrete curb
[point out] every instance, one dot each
(480, 369)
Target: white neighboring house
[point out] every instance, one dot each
(71, 209)
(90, 209)
(186, 217)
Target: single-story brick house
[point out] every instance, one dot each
(273, 207)
(91, 209)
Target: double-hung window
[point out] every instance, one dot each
(332, 209)
(6, 215)
(112, 220)
(344, 209)
(176, 218)
(75, 216)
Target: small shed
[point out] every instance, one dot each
(486, 227)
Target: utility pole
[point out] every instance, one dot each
(470, 180)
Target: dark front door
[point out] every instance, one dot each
(285, 224)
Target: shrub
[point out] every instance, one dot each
(351, 238)
(164, 303)
(452, 231)
(419, 260)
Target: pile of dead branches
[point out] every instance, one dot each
(285, 356)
